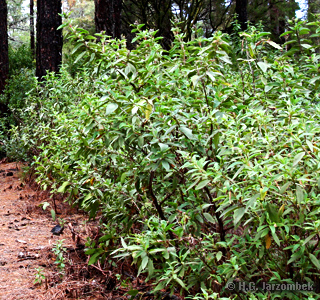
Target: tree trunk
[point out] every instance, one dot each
(163, 15)
(277, 19)
(32, 45)
(108, 17)
(4, 59)
(49, 39)
(313, 8)
(242, 15)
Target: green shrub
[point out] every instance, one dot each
(20, 58)
(205, 170)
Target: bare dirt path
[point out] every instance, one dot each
(26, 244)
(26, 240)
(23, 239)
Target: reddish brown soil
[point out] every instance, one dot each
(26, 244)
(26, 240)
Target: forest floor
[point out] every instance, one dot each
(26, 244)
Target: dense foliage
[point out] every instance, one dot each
(202, 162)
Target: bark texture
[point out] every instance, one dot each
(49, 39)
(4, 59)
(32, 44)
(108, 17)
(277, 19)
(242, 14)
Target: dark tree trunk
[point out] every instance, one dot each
(163, 15)
(108, 17)
(313, 8)
(49, 39)
(277, 19)
(4, 59)
(32, 45)
(242, 15)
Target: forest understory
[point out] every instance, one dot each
(27, 242)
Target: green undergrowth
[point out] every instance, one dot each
(202, 162)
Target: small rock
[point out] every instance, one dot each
(57, 230)
(21, 241)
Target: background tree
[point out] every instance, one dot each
(313, 8)
(108, 17)
(49, 39)
(32, 44)
(4, 59)
(242, 15)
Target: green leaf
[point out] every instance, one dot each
(314, 260)
(163, 147)
(219, 255)
(89, 196)
(195, 79)
(160, 286)
(275, 45)
(273, 212)
(295, 256)
(63, 187)
(187, 132)
(165, 165)
(284, 187)
(76, 47)
(53, 214)
(310, 145)
(209, 218)
(304, 30)
(180, 282)
(79, 57)
(299, 194)
(123, 243)
(123, 177)
(308, 239)
(144, 262)
(306, 46)
(111, 107)
(252, 200)
(211, 75)
(94, 258)
(275, 237)
(263, 66)
(238, 214)
(298, 158)
(45, 205)
(216, 140)
(150, 267)
(202, 184)
(225, 59)
(133, 292)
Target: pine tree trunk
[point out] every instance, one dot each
(32, 45)
(163, 16)
(4, 59)
(277, 19)
(313, 8)
(242, 14)
(108, 17)
(49, 39)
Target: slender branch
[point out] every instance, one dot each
(154, 199)
(217, 215)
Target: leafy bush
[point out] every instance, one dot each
(21, 81)
(20, 58)
(203, 170)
